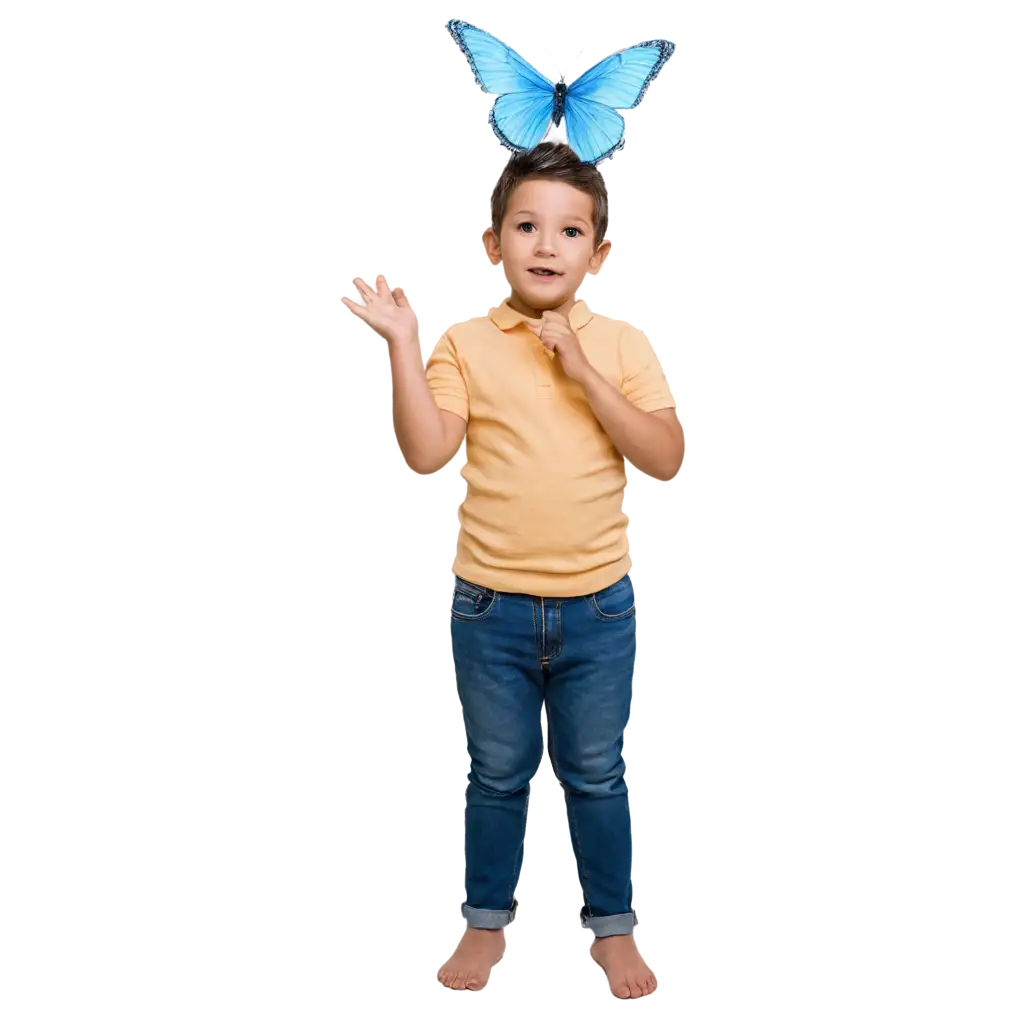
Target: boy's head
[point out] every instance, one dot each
(549, 209)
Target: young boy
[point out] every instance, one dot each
(550, 397)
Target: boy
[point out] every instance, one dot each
(550, 398)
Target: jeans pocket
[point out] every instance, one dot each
(614, 602)
(470, 601)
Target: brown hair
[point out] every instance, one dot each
(556, 161)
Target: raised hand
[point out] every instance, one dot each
(387, 312)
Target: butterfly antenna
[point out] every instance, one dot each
(548, 52)
(574, 58)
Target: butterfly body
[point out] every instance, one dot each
(528, 103)
(560, 90)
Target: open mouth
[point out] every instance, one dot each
(543, 272)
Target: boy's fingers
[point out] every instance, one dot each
(365, 291)
(386, 292)
(353, 308)
(555, 317)
(400, 297)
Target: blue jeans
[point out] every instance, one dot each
(573, 655)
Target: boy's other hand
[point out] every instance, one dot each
(560, 339)
(387, 312)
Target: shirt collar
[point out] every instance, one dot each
(506, 317)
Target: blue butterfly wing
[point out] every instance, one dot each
(594, 130)
(497, 67)
(622, 79)
(522, 119)
(521, 116)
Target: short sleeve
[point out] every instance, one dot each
(643, 380)
(445, 380)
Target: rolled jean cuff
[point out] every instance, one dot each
(612, 924)
(476, 918)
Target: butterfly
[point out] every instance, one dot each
(528, 104)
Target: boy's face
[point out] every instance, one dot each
(547, 224)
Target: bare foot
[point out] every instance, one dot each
(470, 965)
(628, 976)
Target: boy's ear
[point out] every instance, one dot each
(600, 255)
(492, 245)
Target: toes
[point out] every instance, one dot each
(630, 988)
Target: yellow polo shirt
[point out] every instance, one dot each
(543, 510)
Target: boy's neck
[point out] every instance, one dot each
(520, 305)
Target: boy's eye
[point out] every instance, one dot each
(527, 226)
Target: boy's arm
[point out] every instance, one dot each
(639, 415)
(398, 449)
(652, 441)
(640, 418)
(428, 436)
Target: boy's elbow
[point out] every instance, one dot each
(669, 473)
(426, 465)
(671, 465)
(415, 470)
(677, 463)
